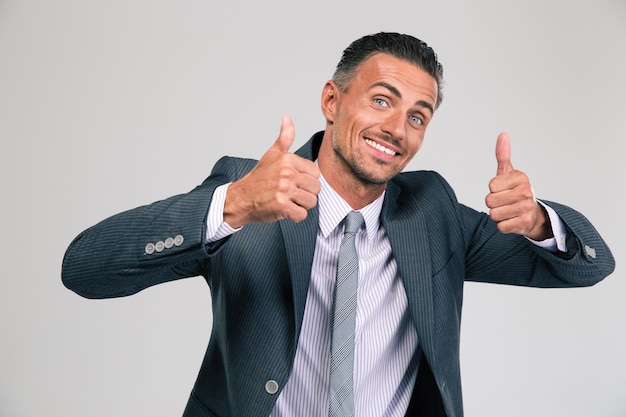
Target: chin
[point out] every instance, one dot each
(368, 178)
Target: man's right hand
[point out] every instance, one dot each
(281, 186)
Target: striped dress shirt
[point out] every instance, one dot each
(386, 346)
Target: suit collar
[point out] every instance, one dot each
(311, 149)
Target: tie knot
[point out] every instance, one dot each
(354, 220)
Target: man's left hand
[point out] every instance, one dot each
(511, 199)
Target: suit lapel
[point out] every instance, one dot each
(300, 241)
(300, 247)
(406, 229)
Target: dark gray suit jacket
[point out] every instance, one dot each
(259, 279)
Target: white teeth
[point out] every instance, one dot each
(379, 147)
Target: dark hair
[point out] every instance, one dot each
(404, 47)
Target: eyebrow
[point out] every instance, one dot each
(393, 90)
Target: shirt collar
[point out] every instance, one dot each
(333, 209)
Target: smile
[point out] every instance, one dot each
(379, 147)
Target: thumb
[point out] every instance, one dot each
(503, 153)
(286, 135)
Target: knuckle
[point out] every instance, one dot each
(283, 185)
(527, 193)
(282, 203)
(528, 206)
(493, 185)
(311, 202)
(317, 187)
(502, 227)
(285, 171)
(298, 215)
(493, 215)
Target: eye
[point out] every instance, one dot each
(381, 102)
(416, 120)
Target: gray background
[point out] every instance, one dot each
(107, 105)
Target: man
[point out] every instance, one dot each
(268, 237)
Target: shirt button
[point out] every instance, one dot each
(150, 248)
(271, 387)
(178, 240)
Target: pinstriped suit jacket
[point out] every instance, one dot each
(259, 279)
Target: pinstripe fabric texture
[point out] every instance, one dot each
(386, 343)
(265, 287)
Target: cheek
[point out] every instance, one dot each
(415, 145)
(354, 117)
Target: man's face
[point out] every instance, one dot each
(378, 124)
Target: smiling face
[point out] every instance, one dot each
(376, 125)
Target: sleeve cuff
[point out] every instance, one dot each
(556, 243)
(216, 227)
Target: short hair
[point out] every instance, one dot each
(404, 47)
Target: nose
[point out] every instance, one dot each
(395, 125)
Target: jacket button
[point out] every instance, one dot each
(159, 246)
(271, 387)
(178, 240)
(169, 242)
(150, 248)
(591, 252)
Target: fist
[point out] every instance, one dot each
(281, 186)
(511, 199)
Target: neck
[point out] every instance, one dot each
(354, 190)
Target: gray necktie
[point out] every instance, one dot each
(341, 395)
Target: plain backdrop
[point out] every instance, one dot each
(107, 105)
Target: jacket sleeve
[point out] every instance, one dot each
(148, 245)
(511, 259)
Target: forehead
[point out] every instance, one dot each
(403, 75)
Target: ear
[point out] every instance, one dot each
(330, 94)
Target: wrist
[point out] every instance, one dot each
(234, 206)
(542, 229)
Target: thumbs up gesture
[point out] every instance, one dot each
(281, 186)
(511, 199)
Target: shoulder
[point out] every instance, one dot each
(229, 168)
(428, 193)
(423, 192)
(419, 184)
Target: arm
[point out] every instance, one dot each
(112, 258)
(166, 240)
(494, 257)
(507, 257)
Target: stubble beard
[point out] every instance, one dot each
(356, 165)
